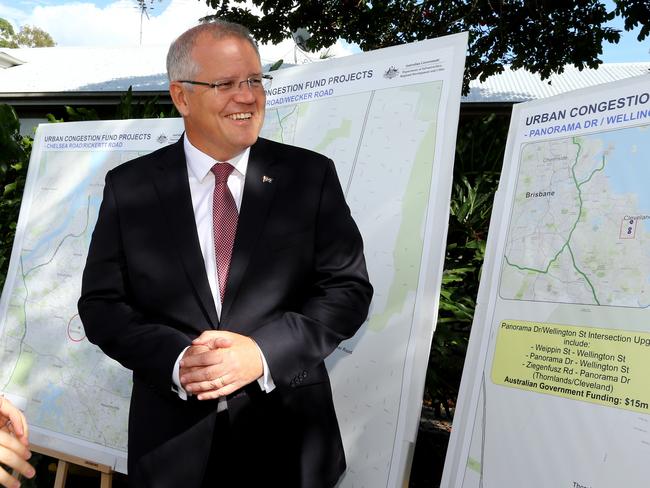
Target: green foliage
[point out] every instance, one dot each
(74, 114)
(541, 36)
(129, 107)
(14, 157)
(636, 13)
(147, 108)
(27, 36)
(276, 66)
(7, 34)
(80, 113)
(479, 155)
(30, 36)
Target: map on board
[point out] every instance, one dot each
(64, 385)
(384, 139)
(580, 225)
(389, 202)
(556, 391)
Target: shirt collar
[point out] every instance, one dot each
(200, 164)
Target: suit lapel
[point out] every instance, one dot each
(259, 189)
(171, 182)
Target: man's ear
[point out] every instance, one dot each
(178, 93)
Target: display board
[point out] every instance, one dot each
(555, 390)
(387, 118)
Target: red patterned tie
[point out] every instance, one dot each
(224, 222)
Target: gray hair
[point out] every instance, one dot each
(181, 65)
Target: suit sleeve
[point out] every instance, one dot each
(339, 298)
(107, 310)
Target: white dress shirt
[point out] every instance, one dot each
(201, 180)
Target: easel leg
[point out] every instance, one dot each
(61, 474)
(106, 481)
(105, 472)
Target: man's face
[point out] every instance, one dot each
(222, 124)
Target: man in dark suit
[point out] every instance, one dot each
(226, 340)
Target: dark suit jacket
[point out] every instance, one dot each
(297, 285)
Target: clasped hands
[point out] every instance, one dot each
(13, 444)
(219, 363)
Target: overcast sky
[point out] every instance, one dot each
(117, 23)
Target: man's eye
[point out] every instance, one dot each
(255, 82)
(224, 85)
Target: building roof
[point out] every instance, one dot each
(521, 85)
(85, 70)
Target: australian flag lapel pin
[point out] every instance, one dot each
(267, 179)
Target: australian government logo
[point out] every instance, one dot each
(162, 138)
(391, 73)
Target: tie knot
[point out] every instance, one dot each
(222, 171)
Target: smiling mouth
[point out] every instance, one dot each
(240, 116)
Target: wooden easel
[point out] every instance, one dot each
(64, 460)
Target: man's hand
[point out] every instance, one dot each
(191, 351)
(219, 363)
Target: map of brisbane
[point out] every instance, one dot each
(580, 226)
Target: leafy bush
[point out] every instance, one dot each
(14, 158)
(479, 154)
(129, 107)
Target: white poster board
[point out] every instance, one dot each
(387, 118)
(556, 391)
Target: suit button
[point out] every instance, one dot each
(304, 374)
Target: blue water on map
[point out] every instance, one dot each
(627, 165)
(50, 397)
(77, 202)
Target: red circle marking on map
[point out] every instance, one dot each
(76, 332)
